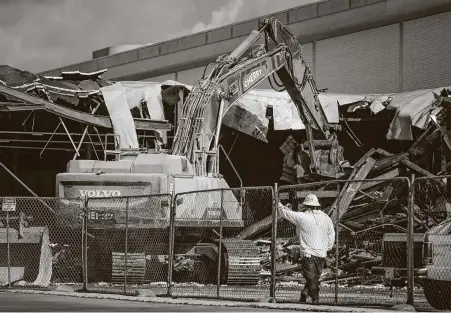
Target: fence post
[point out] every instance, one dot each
(337, 245)
(8, 249)
(172, 211)
(410, 242)
(218, 283)
(84, 237)
(272, 290)
(126, 245)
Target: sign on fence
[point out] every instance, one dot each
(9, 205)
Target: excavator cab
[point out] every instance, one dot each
(25, 253)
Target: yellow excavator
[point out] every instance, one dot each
(192, 163)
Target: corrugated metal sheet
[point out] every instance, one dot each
(362, 62)
(427, 52)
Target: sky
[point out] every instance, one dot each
(39, 35)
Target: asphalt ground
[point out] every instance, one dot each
(19, 302)
(59, 301)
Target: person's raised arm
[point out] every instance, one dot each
(287, 214)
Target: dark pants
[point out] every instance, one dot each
(312, 268)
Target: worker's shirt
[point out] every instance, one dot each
(314, 228)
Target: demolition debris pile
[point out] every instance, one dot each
(366, 210)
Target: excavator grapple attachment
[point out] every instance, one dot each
(27, 252)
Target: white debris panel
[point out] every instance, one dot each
(124, 96)
(116, 101)
(412, 108)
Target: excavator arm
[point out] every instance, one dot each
(197, 136)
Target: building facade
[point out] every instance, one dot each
(354, 46)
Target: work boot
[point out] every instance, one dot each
(315, 301)
(303, 298)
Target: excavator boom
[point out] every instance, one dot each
(233, 76)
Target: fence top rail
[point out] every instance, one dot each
(201, 191)
(158, 195)
(225, 189)
(340, 181)
(251, 188)
(37, 198)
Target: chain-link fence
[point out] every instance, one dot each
(218, 243)
(431, 204)
(196, 232)
(367, 263)
(222, 243)
(40, 242)
(127, 244)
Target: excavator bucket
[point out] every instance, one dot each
(25, 253)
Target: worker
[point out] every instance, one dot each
(316, 236)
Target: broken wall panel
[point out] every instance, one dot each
(362, 62)
(427, 65)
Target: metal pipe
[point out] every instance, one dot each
(56, 134)
(8, 252)
(126, 245)
(92, 143)
(36, 148)
(221, 213)
(253, 37)
(85, 131)
(171, 241)
(410, 242)
(43, 149)
(84, 237)
(39, 141)
(26, 187)
(219, 123)
(272, 290)
(337, 252)
(231, 164)
(70, 138)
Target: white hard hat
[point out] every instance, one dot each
(311, 200)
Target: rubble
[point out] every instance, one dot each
(366, 210)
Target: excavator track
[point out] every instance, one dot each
(241, 262)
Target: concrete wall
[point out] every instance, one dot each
(354, 46)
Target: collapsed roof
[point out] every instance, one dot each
(130, 106)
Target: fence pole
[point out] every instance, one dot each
(172, 211)
(84, 237)
(410, 242)
(126, 245)
(337, 245)
(272, 290)
(218, 283)
(8, 249)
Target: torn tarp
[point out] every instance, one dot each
(412, 109)
(122, 97)
(117, 104)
